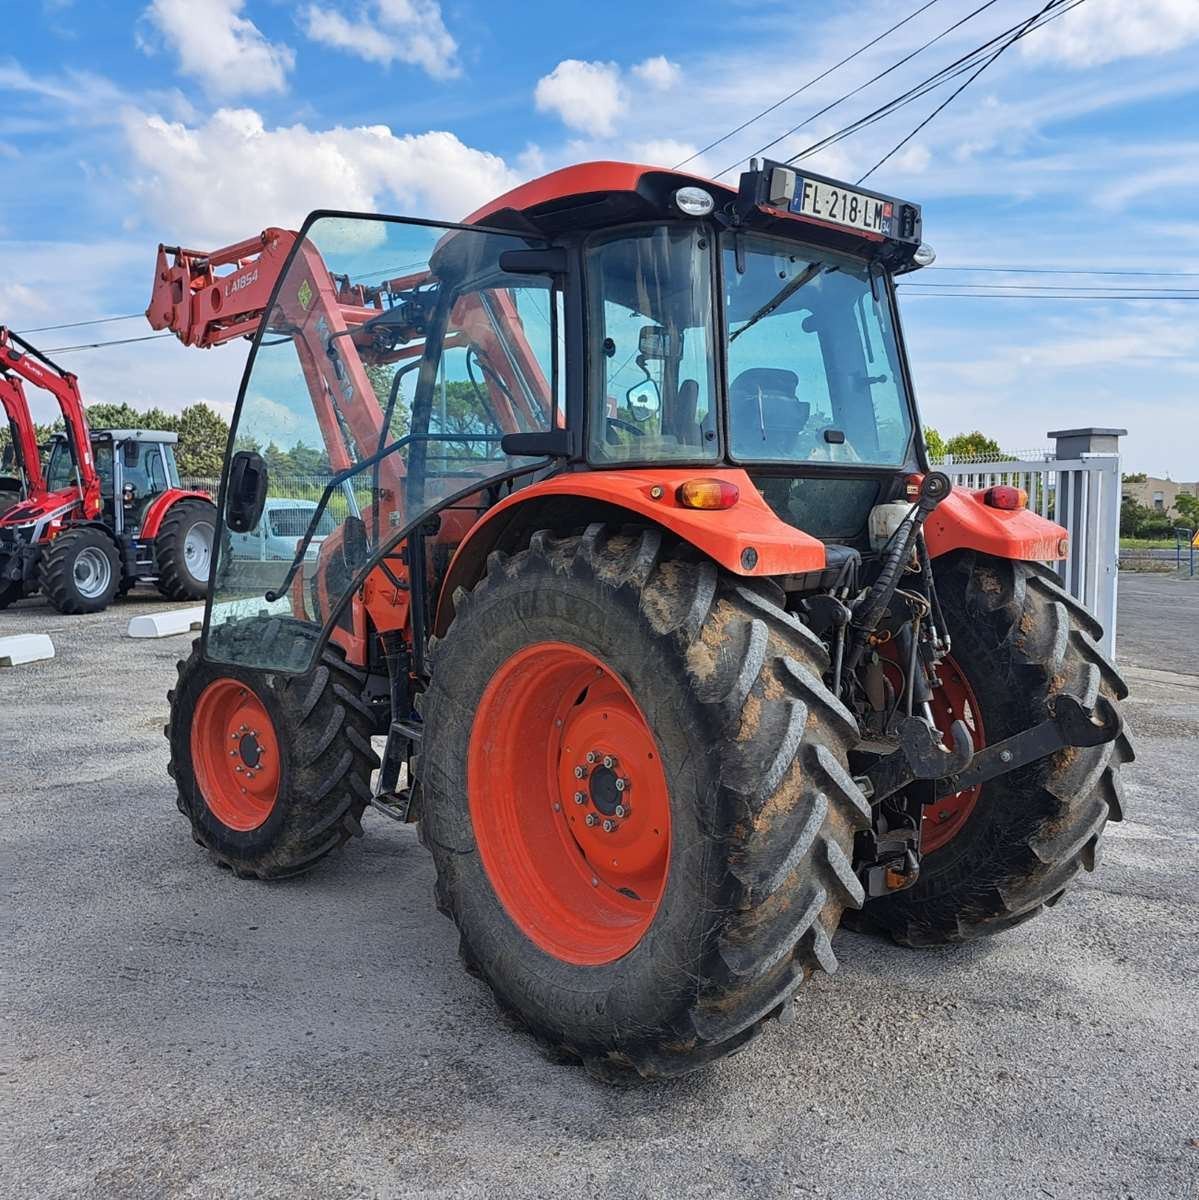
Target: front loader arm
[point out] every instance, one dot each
(24, 435)
(18, 357)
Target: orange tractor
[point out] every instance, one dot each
(627, 542)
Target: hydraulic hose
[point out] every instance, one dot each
(869, 611)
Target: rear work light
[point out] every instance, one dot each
(707, 493)
(1003, 496)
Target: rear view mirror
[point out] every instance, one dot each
(644, 400)
(655, 342)
(245, 495)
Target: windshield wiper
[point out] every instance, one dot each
(780, 297)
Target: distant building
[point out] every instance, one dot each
(1158, 494)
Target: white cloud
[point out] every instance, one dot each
(387, 31)
(1103, 31)
(225, 51)
(665, 152)
(585, 95)
(258, 176)
(658, 72)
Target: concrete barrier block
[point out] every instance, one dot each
(167, 624)
(25, 648)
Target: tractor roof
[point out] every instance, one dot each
(790, 201)
(131, 435)
(592, 194)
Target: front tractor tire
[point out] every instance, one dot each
(1012, 847)
(184, 549)
(633, 785)
(80, 571)
(273, 771)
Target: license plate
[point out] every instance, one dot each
(841, 206)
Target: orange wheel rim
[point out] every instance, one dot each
(569, 804)
(235, 754)
(953, 701)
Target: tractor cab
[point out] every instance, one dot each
(603, 320)
(134, 467)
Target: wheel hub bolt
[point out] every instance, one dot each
(609, 825)
(580, 772)
(591, 756)
(590, 818)
(621, 784)
(580, 798)
(609, 761)
(621, 811)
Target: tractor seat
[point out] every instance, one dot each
(767, 415)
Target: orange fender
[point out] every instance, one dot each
(747, 539)
(963, 522)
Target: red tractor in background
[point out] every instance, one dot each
(22, 454)
(107, 512)
(632, 550)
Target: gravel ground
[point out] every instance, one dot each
(170, 1031)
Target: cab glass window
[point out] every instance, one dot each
(813, 365)
(395, 359)
(652, 387)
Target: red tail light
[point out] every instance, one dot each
(1004, 496)
(707, 493)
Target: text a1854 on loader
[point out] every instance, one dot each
(108, 510)
(681, 649)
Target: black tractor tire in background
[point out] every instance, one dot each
(763, 811)
(323, 730)
(177, 578)
(80, 570)
(1020, 639)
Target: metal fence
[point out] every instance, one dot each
(1080, 491)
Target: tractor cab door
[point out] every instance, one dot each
(143, 477)
(396, 357)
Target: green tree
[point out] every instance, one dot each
(1134, 477)
(973, 445)
(1187, 507)
(202, 437)
(934, 443)
(1133, 515)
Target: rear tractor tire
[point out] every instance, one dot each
(1016, 843)
(273, 771)
(184, 549)
(634, 789)
(80, 571)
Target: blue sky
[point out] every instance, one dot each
(202, 121)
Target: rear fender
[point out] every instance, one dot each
(962, 521)
(747, 539)
(161, 505)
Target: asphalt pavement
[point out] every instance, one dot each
(171, 1031)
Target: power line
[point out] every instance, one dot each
(861, 87)
(150, 337)
(959, 90)
(811, 82)
(958, 67)
(1047, 287)
(79, 324)
(1067, 271)
(1043, 296)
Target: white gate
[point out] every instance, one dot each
(1082, 493)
